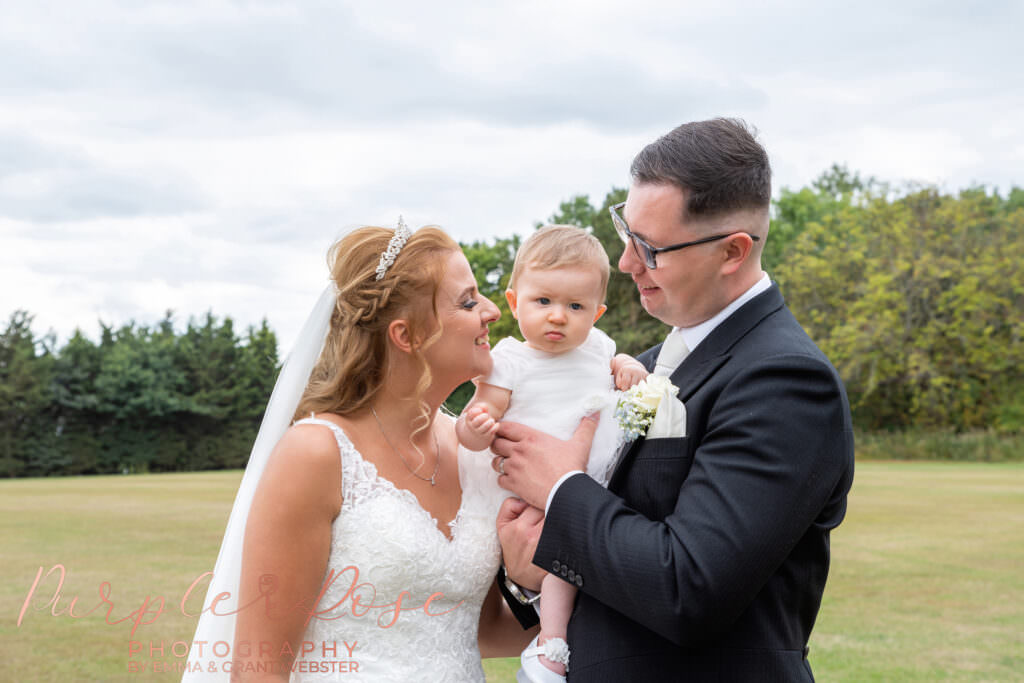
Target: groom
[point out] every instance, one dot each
(705, 558)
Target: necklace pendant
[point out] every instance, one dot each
(437, 447)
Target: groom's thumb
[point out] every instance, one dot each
(584, 434)
(511, 509)
(588, 425)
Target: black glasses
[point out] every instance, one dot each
(646, 252)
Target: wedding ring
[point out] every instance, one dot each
(501, 466)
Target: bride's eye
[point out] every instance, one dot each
(470, 304)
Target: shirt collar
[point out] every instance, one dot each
(696, 334)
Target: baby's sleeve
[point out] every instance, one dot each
(602, 344)
(506, 370)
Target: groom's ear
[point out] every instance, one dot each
(400, 335)
(510, 297)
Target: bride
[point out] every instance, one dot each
(362, 545)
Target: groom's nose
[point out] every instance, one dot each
(629, 262)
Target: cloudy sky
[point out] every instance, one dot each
(202, 155)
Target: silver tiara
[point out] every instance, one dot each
(401, 236)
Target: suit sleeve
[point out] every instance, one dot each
(775, 452)
(526, 615)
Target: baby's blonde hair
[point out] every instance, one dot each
(560, 246)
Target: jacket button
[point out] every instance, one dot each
(579, 581)
(572, 575)
(555, 566)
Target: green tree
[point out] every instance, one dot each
(27, 428)
(140, 390)
(143, 399)
(228, 382)
(831, 192)
(258, 367)
(1014, 201)
(79, 421)
(916, 300)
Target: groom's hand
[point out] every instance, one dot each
(529, 462)
(519, 527)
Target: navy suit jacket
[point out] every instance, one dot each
(705, 559)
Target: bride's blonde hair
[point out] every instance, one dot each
(356, 355)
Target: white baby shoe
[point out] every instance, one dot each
(532, 671)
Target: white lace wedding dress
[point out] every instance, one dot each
(398, 551)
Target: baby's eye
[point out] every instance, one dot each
(543, 301)
(576, 307)
(470, 304)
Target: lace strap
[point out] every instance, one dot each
(344, 446)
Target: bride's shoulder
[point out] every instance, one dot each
(313, 444)
(310, 434)
(305, 465)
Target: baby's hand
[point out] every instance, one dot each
(479, 421)
(629, 373)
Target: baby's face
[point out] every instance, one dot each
(556, 308)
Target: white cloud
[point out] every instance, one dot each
(202, 155)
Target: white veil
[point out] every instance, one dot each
(207, 656)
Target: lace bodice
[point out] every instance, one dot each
(404, 597)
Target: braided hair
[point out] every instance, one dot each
(356, 356)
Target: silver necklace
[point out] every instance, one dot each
(433, 477)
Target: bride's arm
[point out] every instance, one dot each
(500, 634)
(287, 543)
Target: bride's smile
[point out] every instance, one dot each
(462, 352)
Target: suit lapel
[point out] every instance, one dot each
(705, 360)
(717, 347)
(692, 373)
(689, 377)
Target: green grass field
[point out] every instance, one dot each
(927, 582)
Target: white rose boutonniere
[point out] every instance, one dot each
(639, 405)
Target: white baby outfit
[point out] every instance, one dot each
(553, 392)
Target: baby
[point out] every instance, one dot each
(564, 370)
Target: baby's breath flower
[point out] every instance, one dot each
(636, 408)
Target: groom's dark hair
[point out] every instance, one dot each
(718, 164)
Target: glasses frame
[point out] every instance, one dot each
(648, 254)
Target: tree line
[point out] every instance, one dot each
(141, 400)
(915, 294)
